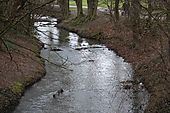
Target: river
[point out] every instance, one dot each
(94, 78)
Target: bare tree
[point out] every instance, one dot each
(92, 8)
(150, 9)
(135, 18)
(79, 8)
(117, 10)
(64, 5)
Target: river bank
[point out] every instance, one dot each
(145, 56)
(19, 69)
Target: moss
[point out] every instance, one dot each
(17, 88)
(9, 45)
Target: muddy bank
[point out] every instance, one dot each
(19, 70)
(144, 56)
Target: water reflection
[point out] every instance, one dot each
(95, 84)
(63, 37)
(74, 40)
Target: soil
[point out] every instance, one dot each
(148, 55)
(20, 68)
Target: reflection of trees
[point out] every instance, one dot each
(80, 40)
(63, 36)
(50, 36)
(136, 100)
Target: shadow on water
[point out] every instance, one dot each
(94, 79)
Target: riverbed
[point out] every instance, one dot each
(94, 78)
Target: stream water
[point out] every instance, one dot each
(94, 79)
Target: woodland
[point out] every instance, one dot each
(137, 30)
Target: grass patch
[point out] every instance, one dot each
(17, 88)
(73, 3)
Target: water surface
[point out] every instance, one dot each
(94, 78)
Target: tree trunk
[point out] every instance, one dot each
(13, 6)
(167, 4)
(3, 7)
(117, 10)
(135, 11)
(150, 10)
(64, 6)
(128, 8)
(0, 44)
(135, 18)
(92, 8)
(79, 8)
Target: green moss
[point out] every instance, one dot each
(17, 88)
(9, 45)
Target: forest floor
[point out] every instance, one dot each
(145, 55)
(18, 69)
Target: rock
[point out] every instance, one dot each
(88, 47)
(56, 49)
(59, 92)
(53, 95)
(45, 48)
(127, 86)
(91, 60)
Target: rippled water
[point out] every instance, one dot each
(94, 79)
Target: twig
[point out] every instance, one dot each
(14, 22)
